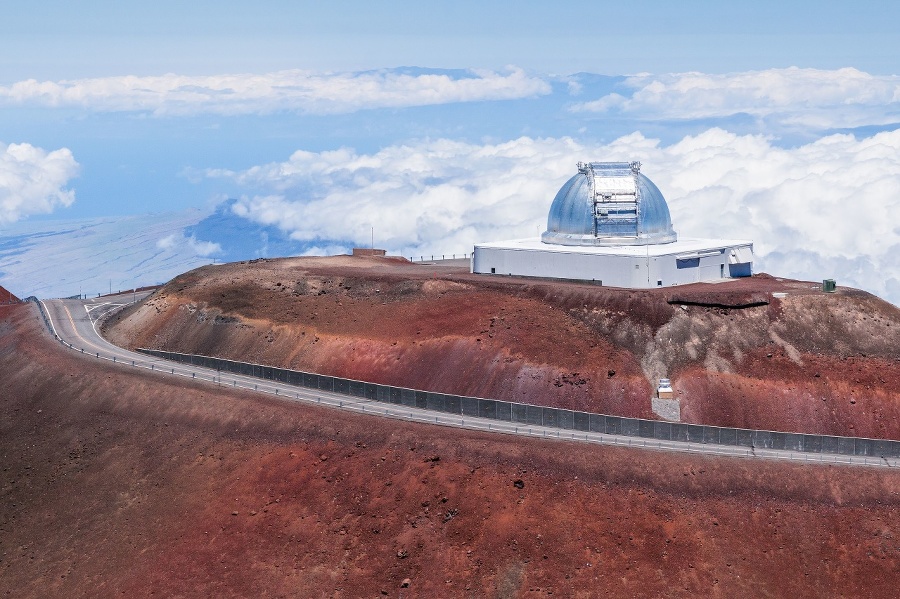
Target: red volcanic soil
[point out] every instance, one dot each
(6, 297)
(118, 482)
(738, 354)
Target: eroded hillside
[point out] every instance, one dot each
(756, 353)
(122, 482)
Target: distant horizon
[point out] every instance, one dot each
(58, 40)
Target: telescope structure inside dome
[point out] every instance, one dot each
(610, 225)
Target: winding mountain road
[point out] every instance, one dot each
(74, 323)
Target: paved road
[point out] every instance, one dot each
(74, 322)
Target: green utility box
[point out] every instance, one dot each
(829, 286)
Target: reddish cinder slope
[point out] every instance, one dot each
(118, 482)
(737, 354)
(6, 297)
(390, 322)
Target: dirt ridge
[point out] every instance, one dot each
(761, 353)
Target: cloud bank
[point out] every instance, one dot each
(293, 90)
(820, 99)
(420, 198)
(794, 98)
(33, 181)
(825, 209)
(179, 242)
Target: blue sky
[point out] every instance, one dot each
(64, 39)
(445, 123)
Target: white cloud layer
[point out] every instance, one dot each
(825, 209)
(293, 90)
(33, 181)
(420, 198)
(792, 97)
(803, 97)
(178, 242)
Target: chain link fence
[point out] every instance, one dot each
(571, 420)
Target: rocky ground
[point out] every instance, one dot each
(118, 482)
(761, 352)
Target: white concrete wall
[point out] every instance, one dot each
(618, 271)
(637, 272)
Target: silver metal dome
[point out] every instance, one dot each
(609, 203)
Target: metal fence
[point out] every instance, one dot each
(438, 257)
(550, 417)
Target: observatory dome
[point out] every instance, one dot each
(609, 203)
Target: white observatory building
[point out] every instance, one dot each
(609, 224)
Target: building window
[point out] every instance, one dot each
(687, 263)
(493, 270)
(721, 271)
(659, 283)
